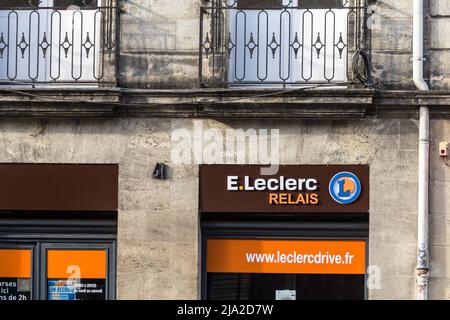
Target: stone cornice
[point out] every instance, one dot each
(325, 103)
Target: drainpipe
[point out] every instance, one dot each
(422, 269)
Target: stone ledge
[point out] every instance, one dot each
(220, 103)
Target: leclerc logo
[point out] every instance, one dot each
(345, 187)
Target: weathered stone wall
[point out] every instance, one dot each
(439, 214)
(160, 43)
(158, 252)
(391, 29)
(439, 44)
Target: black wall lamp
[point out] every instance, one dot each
(160, 171)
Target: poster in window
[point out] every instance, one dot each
(15, 274)
(76, 274)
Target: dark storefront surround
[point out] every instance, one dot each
(240, 223)
(58, 212)
(286, 226)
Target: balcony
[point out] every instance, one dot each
(58, 42)
(274, 43)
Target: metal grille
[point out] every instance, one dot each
(291, 44)
(56, 41)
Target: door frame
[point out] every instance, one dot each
(78, 245)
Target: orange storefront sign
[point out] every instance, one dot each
(286, 256)
(90, 264)
(15, 263)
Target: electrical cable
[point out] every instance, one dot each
(365, 78)
(40, 98)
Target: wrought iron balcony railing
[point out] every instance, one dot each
(286, 42)
(58, 42)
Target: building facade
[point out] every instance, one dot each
(95, 94)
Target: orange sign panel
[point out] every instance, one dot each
(82, 264)
(286, 256)
(15, 263)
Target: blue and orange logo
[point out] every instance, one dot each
(345, 188)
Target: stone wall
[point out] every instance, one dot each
(160, 43)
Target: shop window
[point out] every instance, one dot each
(16, 267)
(272, 269)
(237, 250)
(259, 4)
(244, 286)
(66, 270)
